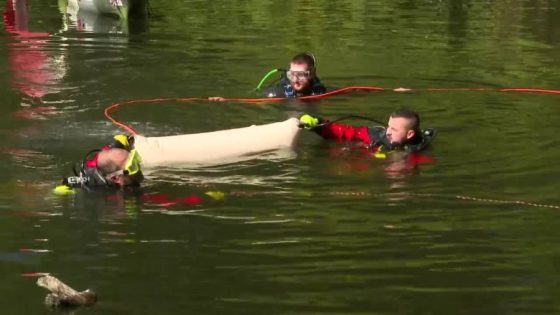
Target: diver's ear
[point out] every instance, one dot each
(410, 134)
(313, 68)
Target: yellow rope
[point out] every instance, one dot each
(460, 197)
(368, 194)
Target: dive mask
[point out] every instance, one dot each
(297, 75)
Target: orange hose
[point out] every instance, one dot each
(131, 130)
(531, 90)
(127, 128)
(344, 90)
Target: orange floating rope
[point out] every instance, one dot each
(344, 90)
(108, 110)
(531, 90)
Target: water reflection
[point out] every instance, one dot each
(458, 26)
(110, 16)
(86, 21)
(40, 64)
(36, 69)
(39, 61)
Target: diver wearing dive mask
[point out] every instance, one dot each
(115, 165)
(299, 80)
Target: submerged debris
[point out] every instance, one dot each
(63, 295)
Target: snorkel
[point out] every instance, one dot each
(267, 76)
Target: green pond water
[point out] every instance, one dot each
(313, 231)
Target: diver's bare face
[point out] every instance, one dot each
(398, 130)
(299, 76)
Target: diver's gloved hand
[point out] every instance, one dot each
(309, 122)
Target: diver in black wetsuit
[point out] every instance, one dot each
(299, 80)
(115, 170)
(116, 165)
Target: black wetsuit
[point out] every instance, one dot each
(418, 143)
(374, 137)
(284, 89)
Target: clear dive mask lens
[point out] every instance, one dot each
(297, 75)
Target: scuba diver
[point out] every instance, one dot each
(402, 134)
(115, 168)
(119, 163)
(299, 80)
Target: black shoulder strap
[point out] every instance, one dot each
(427, 136)
(318, 87)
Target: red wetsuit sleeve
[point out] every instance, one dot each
(341, 132)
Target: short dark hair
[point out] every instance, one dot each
(304, 58)
(412, 116)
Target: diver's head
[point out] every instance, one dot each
(301, 71)
(403, 127)
(120, 167)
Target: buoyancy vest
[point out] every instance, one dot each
(418, 143)
(284, 89)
